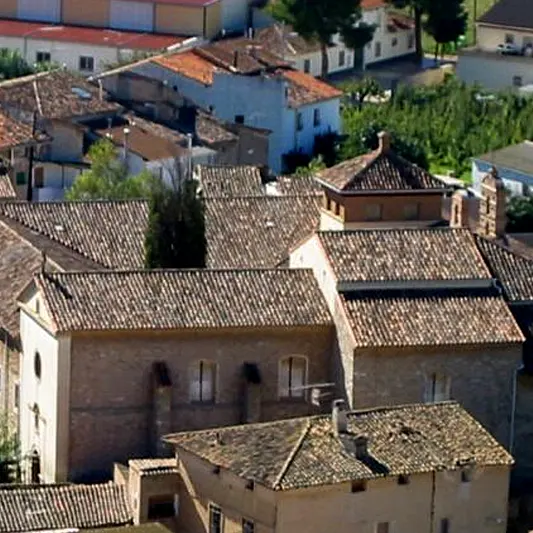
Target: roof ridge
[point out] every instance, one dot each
(144, 271)
(277, 482)
(406, 229)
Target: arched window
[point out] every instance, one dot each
(292, 376)
(37, 365)
(202, 382)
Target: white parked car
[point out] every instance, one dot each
(509, 49)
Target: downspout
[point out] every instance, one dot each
(513, 408)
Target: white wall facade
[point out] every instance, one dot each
(45, 430)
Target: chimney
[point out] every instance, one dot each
(236, 58)
(361, 447)
(384, 141)
(459, 209)
(339, 420)
(492, 207)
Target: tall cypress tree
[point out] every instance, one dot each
(176, 227)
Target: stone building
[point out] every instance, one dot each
(112, 361)
(414, 468)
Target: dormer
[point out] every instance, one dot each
(378, 190)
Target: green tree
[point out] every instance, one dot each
(176, 227)
(359, 90)
(12, 64)
(446, 23)
(520, 214)
(9, 452)
(320, 21)
(108, 177)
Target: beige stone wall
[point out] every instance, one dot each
(9, 378)
(481, 379)
(477, 507)
(8, 8)
(111, 389)
(83, 13)
(180, 20)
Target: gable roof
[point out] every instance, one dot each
(14, 133)
(229, 180)
(109, 233)
(380, 170)
(57, 94)
(257, 231)
(509, 13)
(182, 299)
(304, 452)
(47, 507)
(514, 271)
(429, 318)
(392, 255)
(518, 157)
(7, 191)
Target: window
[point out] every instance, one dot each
(37, 365)
(377, 49)
(342, 58)
(438, 388)
(316, 117)
(382, 527)
(38, 177)
(216, 519)
(162, 507)
(307, 66)
(517, 81)
(467, 474)
(292, 377)
(87, 63)
(373, 212)
(16, 396)
(358, 486)
(394, 42)
(239, 119)
(509, 38)
(202, 384)
(43, 57)
(247, 526)
(411, 41)
(299, 122)
(411, 211)
(403, 479)
(20, 178)
(445, 525)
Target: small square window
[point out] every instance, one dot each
(382, 527)
(43, 57)
(299, 122)
(517, 81)
(248, 526)
(394, 42)
(307, 66)
(373, 212)
(403, 479)
(411, 211)
(239, 119)
(20, 178)
(87, 63)
(316, 117)
(358, 486)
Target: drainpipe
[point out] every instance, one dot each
(513, 408)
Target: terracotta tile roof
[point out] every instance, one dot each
(378, 171)
(149, 527)
(298, 185)
(229, 180)
(7, 191)
(13, 132)
(258, 231)
(387, 255)
(96, 36)
(211, 130)
(373, 4)
(182, 299)
(284, 41)
(49, 507)
(514, 272)
(56, 94)
(110, 233)
(305, 452)
(429, 318)
(306, 89)
(150, 467)
(190, 65)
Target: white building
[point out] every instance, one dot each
(84, 50)
(393, 38)
(255, 88)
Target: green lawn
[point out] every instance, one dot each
(482, 6)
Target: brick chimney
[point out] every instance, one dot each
(384, 141)
(492, 215)
(361, 447)
(459, 212)
(339, 420)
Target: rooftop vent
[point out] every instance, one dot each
(81, 93)
(339, 419)
(361, 447)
